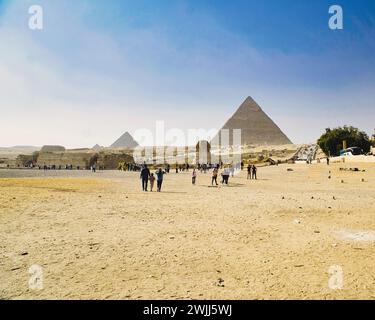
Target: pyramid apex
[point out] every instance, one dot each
(249, 104)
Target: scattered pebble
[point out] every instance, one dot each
(16, 268)
(220, 283)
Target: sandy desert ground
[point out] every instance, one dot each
(98, 236)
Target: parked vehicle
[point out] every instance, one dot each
(353, 151)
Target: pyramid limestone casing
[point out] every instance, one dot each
(256, 127)
(125, 141)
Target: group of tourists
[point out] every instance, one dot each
(46, 167)
(146, 176)
(182, 168)
(252, 172)
(226, 173)
(131, 167)
(215, 173)
(204, 167)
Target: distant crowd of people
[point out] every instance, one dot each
(227, 172)
(45, 167)
(148, 178)
(55, 167)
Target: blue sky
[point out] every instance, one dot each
(101, 68)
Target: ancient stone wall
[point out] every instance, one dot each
(52, 149)
(111, 161)
(76, 159)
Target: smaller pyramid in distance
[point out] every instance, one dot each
(125, 141)
(97, 147)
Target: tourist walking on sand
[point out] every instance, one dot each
(215, 172)
(145, 174)
(254, 172)
(231, 171)
(152, 181)
(159, 179)
(225, 176)
(249, 167)
(194, 177)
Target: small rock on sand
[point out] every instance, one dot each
(220, 283)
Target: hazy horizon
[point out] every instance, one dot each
(97, 70)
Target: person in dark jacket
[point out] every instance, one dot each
(254, 172)
(145, 175)
(249, 168)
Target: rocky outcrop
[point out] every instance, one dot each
(111, 161)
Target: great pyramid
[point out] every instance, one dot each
(256, 127)
(125, 141)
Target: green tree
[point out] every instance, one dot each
(331, 141)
